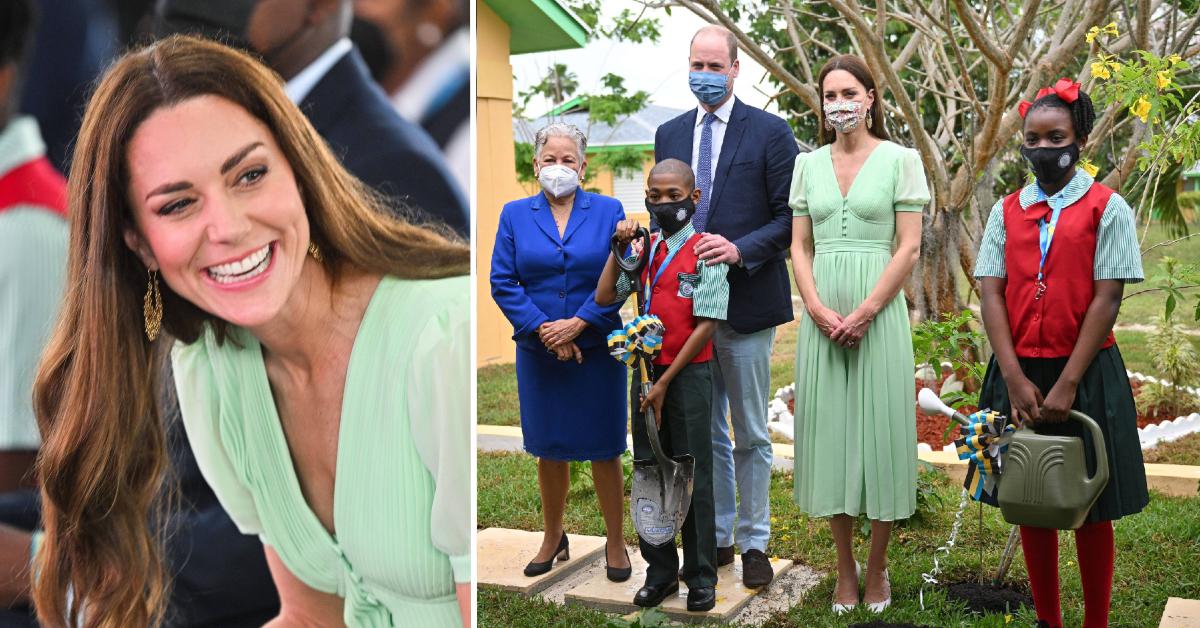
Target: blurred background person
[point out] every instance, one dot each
(419, 51)
(308, 44)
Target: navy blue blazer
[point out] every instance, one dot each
(538, 277)
(749, 206)
(385, 151)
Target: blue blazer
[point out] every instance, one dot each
(390, 154)
(749, 206)
(538, 277)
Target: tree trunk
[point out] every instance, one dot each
(934, 286)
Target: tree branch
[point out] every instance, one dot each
(981, 39)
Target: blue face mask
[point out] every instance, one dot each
(710, 88)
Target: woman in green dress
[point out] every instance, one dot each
(321, 356)
(856, 234)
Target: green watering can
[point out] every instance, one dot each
(1044, 480)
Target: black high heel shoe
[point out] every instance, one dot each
(562, 553)
(618, 574)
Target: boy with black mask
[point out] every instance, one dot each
(1054, 261)
(689, 296)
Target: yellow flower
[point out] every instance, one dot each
(1114, 66)
(1091, 34)
(1111, 29)
(1173, 59)
(1100, 70)
(1163, 79)
(1008, 619)
(1089, 167)
(1141, 108)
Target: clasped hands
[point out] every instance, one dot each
(1028, 404)
(845, 331)
(559, 337)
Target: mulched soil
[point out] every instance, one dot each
(931, 428)
(984, 598)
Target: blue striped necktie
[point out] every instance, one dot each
(704, 173)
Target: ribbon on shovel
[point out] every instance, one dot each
(643, 334)
(983, 444)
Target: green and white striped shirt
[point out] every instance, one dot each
(710, 298)
(1117, 253)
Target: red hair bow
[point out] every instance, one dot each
(1064, 88)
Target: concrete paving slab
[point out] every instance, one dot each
(617, 597)
(1181, 613)
(502, 555)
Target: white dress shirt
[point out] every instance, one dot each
(718, 136)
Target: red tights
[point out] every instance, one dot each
(1094, 542)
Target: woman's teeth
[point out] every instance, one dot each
(247, 267)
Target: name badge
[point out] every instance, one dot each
(687, 284)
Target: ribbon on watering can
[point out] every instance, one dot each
(980, 446)
(643, 334)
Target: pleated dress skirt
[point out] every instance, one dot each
(855, 416)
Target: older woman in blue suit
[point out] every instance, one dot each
(550, 250)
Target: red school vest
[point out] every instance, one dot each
(671, 299)
(1049, 327)
(35, 182)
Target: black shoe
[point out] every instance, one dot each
(562, 553)
(653, 594)
(618, 574)
(724, 557)
(702, 599)
(756, 569)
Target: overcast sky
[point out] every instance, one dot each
(660, 69)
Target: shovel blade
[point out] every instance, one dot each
(661, 497)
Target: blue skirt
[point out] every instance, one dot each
(572, 411)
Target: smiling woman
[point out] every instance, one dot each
(320, 351)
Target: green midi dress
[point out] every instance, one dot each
(402, 491)
(856, 439)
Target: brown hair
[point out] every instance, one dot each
(103, 460)
(858, 68)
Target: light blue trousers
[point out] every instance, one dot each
(741, 368)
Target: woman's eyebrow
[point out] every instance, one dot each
(238, 156)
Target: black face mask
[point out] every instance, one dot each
(672, 216)
(1051, 165)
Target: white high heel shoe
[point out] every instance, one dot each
(841, 609)
(878, 607)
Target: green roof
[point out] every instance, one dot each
(540, 25)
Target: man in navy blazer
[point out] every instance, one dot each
(743, 159)
(309, 46)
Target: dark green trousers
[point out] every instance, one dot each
(686, 420)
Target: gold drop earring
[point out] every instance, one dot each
(152, 306)
(315, 251)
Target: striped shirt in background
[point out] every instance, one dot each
(33, 253)
(710, 298)
(1117, 253)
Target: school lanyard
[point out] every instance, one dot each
(657, 275)
(1045, 237)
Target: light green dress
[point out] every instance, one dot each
(856, 436)
(402, 502)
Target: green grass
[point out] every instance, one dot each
(1155, 555)
(496, 398)
(1134, 350)
(1186, 450)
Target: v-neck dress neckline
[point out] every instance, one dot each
(279, 440)
(833, 170)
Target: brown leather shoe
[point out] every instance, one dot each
(724, 557)
(756, 569)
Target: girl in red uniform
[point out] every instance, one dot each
(1054, 261)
